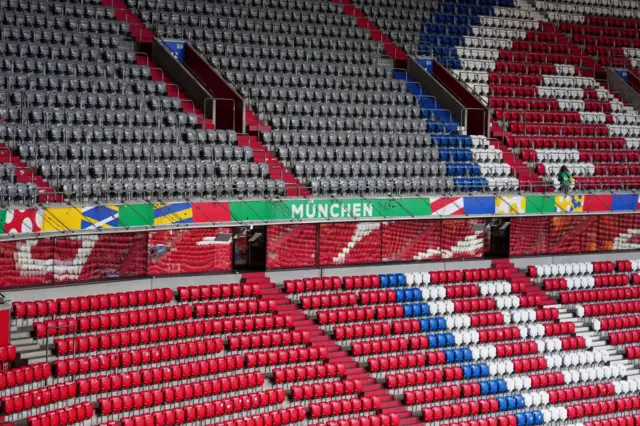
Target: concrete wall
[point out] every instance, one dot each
(627, 91)
(430, 85)
(178, 72)
(229, 109)
(61, 291)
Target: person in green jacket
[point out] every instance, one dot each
(565, 179)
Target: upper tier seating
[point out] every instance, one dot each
(554, 114)
(403, 21)
(443, 26)
(336, 114)
(98, 121)
(607, 30)
(538, 82)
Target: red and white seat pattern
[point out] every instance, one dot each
(565, 132)
(188, 251)
(461, 240)
(345, 243)
(575, 234)
(456, 346)
(371, 242)
(575, 281)
(78, 258)
(605, 297)
(291, 246)
(521, 230)
(96, 257)
(607, 29)
(406, 240)
(569, 269)
(491, 340)
(633, 53)
(546, 102)
(481, 52)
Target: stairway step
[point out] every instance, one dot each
(410, 421)
(18, 335)
(335, 353)
(23, 342)
(395, 408)
(252, 275)
(36, 360)
(34, 354)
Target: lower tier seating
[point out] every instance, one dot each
(482, 346)
(488, 345)
(603, 295)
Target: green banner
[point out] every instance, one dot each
(355, 208)
(541, 204)
(135, 215)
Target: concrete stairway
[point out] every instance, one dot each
(337, 353)
(584, 329)
(29, 350)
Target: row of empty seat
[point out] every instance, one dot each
(71, 77)
(453, 345)
(516, 62)
(475, 363)
(603, 294)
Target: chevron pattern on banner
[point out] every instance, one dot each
(447, 206)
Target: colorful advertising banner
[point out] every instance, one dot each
(295, 210)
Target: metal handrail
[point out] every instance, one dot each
(204, 110)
